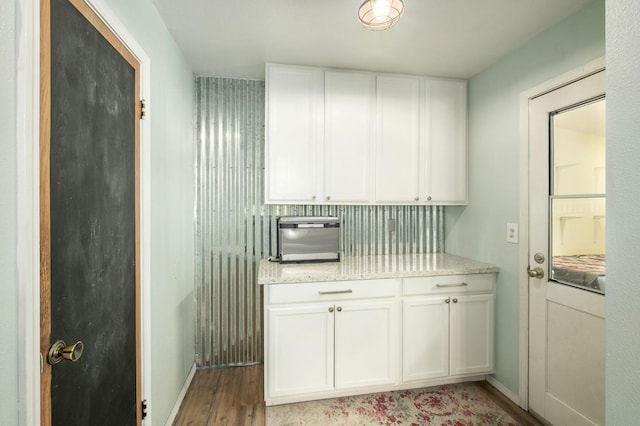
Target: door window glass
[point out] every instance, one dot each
(577, 196)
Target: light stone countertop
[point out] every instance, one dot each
(371, 267)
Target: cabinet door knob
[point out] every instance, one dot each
(313, 198)
(429, 198)
(417, 198)
(331, 309)
(339, 309)
(455, 300)
(447, 300)
(328, 198)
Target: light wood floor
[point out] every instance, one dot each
(224, 396)
(234, 396)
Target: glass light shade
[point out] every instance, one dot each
(379, 15)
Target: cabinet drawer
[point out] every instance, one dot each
(448, 284)
(334, 290)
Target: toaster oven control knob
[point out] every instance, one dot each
(339, 309)
(331, 309)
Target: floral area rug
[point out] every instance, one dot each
(458, 404)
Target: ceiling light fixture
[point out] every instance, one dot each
(378, 15)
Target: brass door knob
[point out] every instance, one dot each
(60, 350)
(536, 272)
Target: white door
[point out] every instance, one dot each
(397, 139)
(348, 114)
(294, 133)
(299, 358)
(471, 348)
(425, 350)
(445, 156)
(566, 253)
(366, 344)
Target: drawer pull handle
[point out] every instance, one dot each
(452, 285)
(324, 293)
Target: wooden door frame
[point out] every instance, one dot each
(28, 204)
(523, 258)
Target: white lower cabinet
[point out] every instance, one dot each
(366, 344)
(471, 328)
(300, 350)
(425, 338)
(338, 338)
(450, 333)
(345, 336)
(447, 336)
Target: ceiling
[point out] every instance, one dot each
(447, 38)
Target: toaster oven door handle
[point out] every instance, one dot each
(324, 293)
(310, 225)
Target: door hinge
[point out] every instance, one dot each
(143, 109)
(143, 405)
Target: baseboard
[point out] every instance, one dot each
(504, 390)
(181, 395)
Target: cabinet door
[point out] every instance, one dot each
(294, 133)
(472, 331)
(397, 139)
(425, 338)
(299, 353)
(348, 106)
(366, 344)
(445, 180)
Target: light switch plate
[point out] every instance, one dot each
(512, 233)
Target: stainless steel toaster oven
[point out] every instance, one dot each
(308, 238)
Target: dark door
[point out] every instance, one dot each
(89, 221)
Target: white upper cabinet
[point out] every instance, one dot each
(397, 166)
(445, 142)
(351, 137)
(294, 127)
(347, 134)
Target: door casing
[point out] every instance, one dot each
(28, 206)
(523, 279)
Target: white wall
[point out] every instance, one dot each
(623, 207)
(479, 229)
(170, 112)
(172, 199)
(8, 225)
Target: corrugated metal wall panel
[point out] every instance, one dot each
(235, 229)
